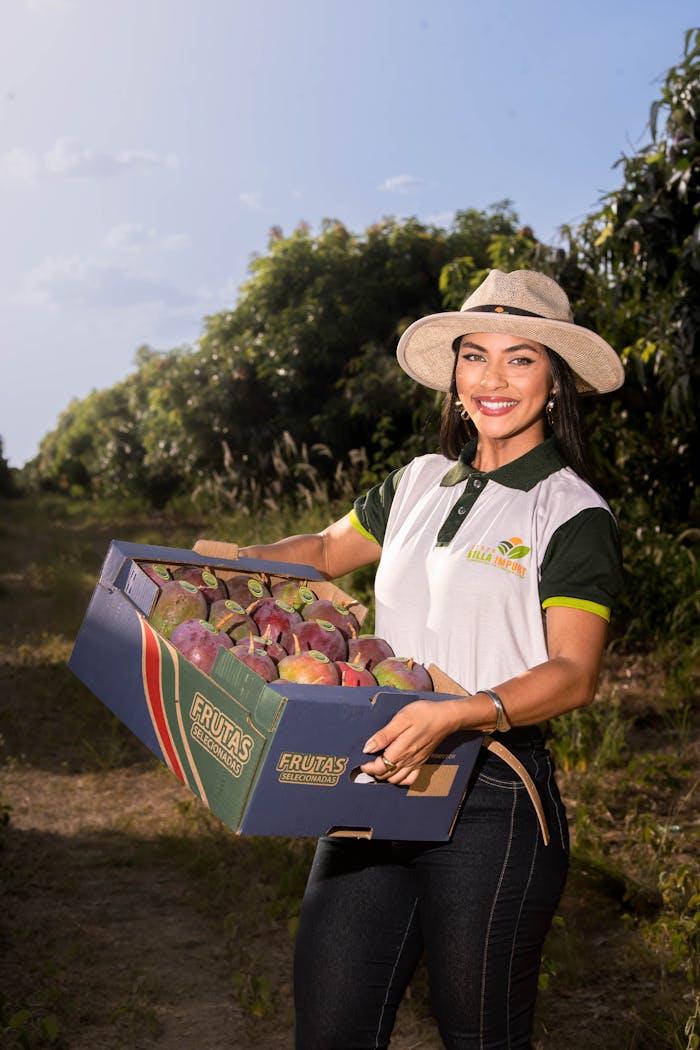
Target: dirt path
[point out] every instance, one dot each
(108, 925)
(139, 962)
(102, 926)
(137, 921)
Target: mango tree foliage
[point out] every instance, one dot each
(189, 404)
(94, 448)
(319, 319)
(7, 484)
(638, 263)
(308, 350)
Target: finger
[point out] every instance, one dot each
(388, 763)
(409, 778)
(390, 732)
(377, 742)
(404, 776)
(379, 771)
(401, 723)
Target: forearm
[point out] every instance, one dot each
(567, 680)
(337, 550)
(417, 729)
(536, 695)
(543, 692)
(576, 642)
(307, 549)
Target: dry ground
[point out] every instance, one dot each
(129, 918)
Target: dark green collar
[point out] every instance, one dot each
(523, 473)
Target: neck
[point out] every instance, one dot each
(492, 453)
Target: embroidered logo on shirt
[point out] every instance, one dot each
(506, 555)
(513, 548)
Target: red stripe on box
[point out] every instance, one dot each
(153, 687)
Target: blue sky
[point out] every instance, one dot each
(147, 146)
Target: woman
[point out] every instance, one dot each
(499, 563)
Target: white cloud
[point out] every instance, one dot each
(134, 237)
(18, 166)
(69, 157)
(75, 281)
(402, 184)
(252, 200)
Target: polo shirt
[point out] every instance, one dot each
(471, 560)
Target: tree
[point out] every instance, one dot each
(317, 325)
(637, 263)
(93, 449)
(7, 484)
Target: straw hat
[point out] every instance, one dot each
(525, 303)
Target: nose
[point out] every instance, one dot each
(493, 377)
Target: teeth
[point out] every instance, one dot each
(498, 404)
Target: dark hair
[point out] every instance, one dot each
(566, 426)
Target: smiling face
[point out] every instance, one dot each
(504, 382)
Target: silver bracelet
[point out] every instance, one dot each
(502, 723)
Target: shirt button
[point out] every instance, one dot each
(461, 510)
(477, 483)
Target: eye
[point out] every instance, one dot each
(522, 361)
(472, 355)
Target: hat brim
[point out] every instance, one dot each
(425, 348)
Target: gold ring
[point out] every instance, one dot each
(391, 766)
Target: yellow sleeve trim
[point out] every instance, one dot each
(578, 603)
(357, 524)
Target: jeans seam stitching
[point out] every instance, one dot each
(556, 807)
(488, 927)
(391, 976)
(508, 785)
(517, 926)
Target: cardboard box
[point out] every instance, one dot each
(278, 759)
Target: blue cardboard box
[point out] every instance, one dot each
(268, 759)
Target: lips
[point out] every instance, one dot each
(495, 406)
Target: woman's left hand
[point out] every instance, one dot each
(410, 738)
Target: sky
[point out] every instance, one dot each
(147, 147)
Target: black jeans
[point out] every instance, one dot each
(477, 908)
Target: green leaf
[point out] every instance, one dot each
(519, 552)
(20, 1018)
(50, 1026)
(606, 232)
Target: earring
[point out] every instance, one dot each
(549, 409)
(463, 414)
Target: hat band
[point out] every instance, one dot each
(497, 309)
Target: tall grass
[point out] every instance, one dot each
(299, 478)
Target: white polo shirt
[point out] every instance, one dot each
(471, 560)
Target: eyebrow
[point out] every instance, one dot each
(506, 350)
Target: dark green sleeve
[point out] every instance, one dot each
(372, 509)
(582, 566)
